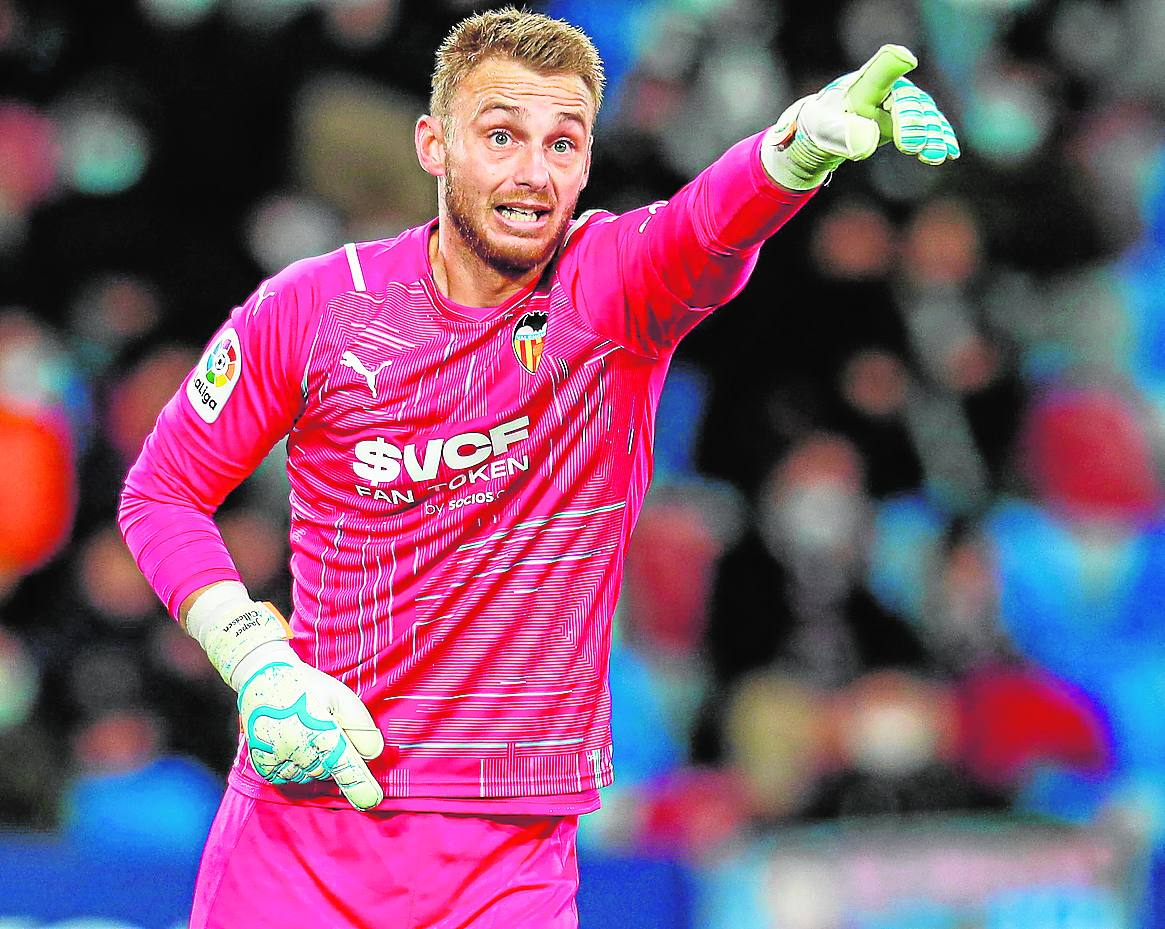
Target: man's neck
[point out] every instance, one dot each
(464, 278)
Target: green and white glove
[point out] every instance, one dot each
(301, 724)
(850, 117)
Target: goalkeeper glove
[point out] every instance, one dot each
(301, 724)
(850, 117)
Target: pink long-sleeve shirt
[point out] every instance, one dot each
(463, 482)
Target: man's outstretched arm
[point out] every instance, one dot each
(645, 278)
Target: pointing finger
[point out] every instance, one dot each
(877, 76)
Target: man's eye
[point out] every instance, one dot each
(499, 137)
(562, 146)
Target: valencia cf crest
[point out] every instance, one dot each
(529, 335)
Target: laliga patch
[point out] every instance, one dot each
(529, 337)
(215, 376)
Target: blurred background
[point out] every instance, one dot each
(891, 647)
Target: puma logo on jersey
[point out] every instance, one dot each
(351, 361)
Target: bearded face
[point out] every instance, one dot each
(510, 251)
(514, 157)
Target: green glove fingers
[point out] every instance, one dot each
(949, 141)
(876, 78)
(920, 129)
(908, 117)
(851, 117)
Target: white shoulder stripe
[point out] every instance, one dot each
(354, 266)
(578, 224)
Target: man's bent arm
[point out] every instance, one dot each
(241, 397)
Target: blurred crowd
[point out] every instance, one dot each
(905, 549)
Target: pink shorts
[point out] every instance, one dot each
(276, 864)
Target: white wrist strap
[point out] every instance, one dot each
(790, 160)
(229, 625)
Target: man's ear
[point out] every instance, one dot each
(429, 137)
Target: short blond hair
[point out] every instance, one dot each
(535, 40)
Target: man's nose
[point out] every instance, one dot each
(531, 170)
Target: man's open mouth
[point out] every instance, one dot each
(521, 214)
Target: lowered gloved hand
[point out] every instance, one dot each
(301, 724)
(850, 117)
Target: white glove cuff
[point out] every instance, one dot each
(229, 625)
(788, 161)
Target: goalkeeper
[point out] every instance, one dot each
(468, 409)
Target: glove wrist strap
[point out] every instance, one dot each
(810, 162)
(796, 163)
(229, 626)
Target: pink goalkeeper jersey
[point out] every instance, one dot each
(463, 482)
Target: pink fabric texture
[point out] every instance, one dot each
(463, 481)
(275, 864)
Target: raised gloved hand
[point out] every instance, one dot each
(850, 117)
(301, 724)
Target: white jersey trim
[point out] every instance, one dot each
(354, 265)
(578, 224)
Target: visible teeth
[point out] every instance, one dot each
(519, 216)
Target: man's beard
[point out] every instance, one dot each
(510, 262)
